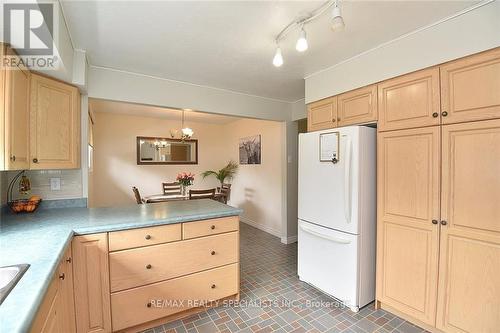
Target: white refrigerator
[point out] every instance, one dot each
(337, 213)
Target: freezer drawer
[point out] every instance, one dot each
(328, 260)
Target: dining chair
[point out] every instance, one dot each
(225, 190)
(171, 188)
(137, 195)
(202, 194)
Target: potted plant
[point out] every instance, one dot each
(185, 179)
(228, 172)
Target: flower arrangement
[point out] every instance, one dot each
(185, 178)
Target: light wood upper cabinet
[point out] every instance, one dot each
(470, 239)
(55, 124)
(322, 114)
(409, 101)
(470, 88)
(16, 121)
(358, 106)
(91, 283)
(407, 238)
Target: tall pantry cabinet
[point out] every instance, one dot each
(438, 246)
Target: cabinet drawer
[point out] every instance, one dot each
(137, 267)
(209, 227)
(143, 304)
(127, 239)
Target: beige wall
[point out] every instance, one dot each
(259, 189)
(115, 164)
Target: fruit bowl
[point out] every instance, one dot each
(25, 205)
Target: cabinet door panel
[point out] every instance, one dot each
(470, 88)
(407, 240)
(358, 106)
(55, 124)
(469, 278)
(322, 114)
(17, 84)
(469, 282)
(409, 101)
(66, 297)
(91, 283)
(471, 182)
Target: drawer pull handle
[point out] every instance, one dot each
(148, 266)
(212, 227)
(148, 305)
(213, 286)
(213, 253)
(148, 237)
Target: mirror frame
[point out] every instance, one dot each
(139, 162)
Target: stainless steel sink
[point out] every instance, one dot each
(9, 276)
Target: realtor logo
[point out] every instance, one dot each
(29, 28)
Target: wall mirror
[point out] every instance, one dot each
(153, 150)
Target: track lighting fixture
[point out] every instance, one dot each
(278, 58)
(337, 24)
(301, 44)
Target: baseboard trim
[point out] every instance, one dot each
(289, 240)
(259, 226)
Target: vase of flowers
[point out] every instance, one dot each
(185, 179)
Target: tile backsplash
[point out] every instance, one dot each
(70, 184)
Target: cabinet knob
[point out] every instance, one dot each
(333, 120)
(443, 222)
(148, 266)
(213, 253)
(68, 260)
(338, 119)
(148, 237)
(13, 158)
(213, 286)
(148, 305)
(35, 160)
(435, 114)
(434, 221)
(62, 276)
(212, 227)
(444, 113)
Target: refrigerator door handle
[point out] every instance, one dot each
(327, 237)
(347, 180)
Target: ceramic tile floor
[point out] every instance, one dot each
(274, 300)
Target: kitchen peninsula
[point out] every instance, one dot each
(114, 263)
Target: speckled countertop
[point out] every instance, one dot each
(39, 239)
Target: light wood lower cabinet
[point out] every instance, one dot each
(407, 238)
(56, 313)
(139, 305)
(469, 276)
(136, 267)
(91, 283)
(322, 114)
(449, 209)
(470, 88)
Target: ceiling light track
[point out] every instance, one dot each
(337, 23)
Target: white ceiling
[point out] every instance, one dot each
(230, 44)
(99, 105)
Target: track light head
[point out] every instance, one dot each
(278, 57)
(337, 20)
(301, 44)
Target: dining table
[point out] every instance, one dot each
(175, 197)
